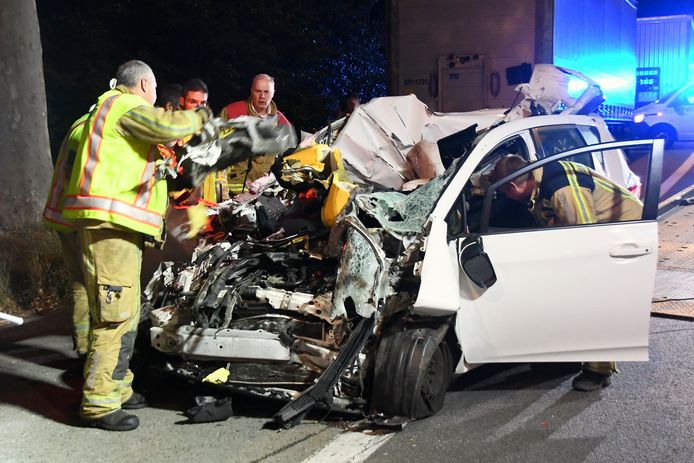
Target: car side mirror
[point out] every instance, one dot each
(476, 264)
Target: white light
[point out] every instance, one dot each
(638, 118)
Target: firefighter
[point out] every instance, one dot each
(67, 233)
(194, 95)
(116, 199)
(569, 193)
(259, 104)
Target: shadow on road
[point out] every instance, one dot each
(52, 401)
(514, 376)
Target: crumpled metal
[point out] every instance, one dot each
(222, 143)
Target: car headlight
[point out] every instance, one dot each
(640, 117)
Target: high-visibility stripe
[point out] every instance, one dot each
(58, 185)
(612, 187)
(111, 399)
(114, 206)
(576, 191)
(96, 136)
(144, 193)
(172, 131)
(62, 171)
(55, 216)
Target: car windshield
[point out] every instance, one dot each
(667, 96)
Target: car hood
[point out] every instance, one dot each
(650, 108)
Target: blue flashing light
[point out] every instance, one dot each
(601, 46)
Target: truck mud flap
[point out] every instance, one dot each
(291, 414)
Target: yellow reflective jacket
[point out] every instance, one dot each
(61, 174)
(113, 177)
(569, 193)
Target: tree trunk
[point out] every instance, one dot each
(25, 160)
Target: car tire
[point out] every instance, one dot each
(665, 132)
(412, 373)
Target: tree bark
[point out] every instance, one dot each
(25, 160)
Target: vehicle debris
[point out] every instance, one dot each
(209, 409)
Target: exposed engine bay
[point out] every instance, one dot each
(274, 309)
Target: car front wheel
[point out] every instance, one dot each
(412, 373)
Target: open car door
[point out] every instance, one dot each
(573, 293)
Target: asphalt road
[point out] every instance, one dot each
(495, 413)
(513, 414)
(678, 169)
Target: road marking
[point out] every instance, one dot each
(349, 447)
(530, 414)
(677, 175)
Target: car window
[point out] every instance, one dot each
(559, 138)
(466, 212)
(565, 193)
(667, 96)
(686, 98)
(592, 137)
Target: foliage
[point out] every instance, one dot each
(317, 51)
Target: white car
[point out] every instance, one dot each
(670, 117)
(378, 312)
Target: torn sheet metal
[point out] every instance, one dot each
(222, 143)
(319, 306)
(376, 138)
(224, 344)
(548, 91)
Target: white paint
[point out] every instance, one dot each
(563, 294)
(560, 296)
(349, 447)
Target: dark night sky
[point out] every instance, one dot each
(318, 51)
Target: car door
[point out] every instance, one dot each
(575, 293)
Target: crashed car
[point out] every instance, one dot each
(350, 284)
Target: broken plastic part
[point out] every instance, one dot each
(219, 376)
(291, 414)
(210, 409)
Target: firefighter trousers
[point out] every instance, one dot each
(70, 243)
(111, 266)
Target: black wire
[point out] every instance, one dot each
(248, 171)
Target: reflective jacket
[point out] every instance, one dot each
(570, 193)
(52, 213)
(237, 174)
(113, 177)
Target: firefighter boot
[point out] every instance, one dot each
(115, 421)
(135, 401)
(589, 380)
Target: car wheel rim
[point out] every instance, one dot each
(434, 378)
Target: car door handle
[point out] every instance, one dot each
(630, 250)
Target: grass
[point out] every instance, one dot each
(33, 278)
